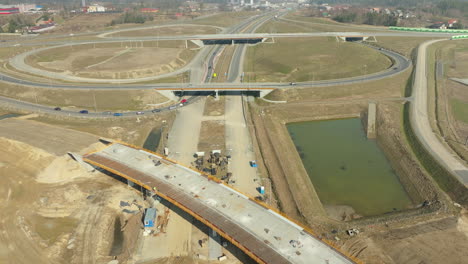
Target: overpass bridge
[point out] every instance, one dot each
(253, 90)
(264, 234)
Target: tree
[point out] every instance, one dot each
(457, 26)
(12, 26)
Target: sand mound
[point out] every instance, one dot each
(62, 169)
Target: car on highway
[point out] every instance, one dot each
(253, 164)
(118, 114)
(183, 101)
(156, 110)
(107, 113)
(84, 112)
(140, 113)
(58, 109)
(172, 107)
(292, 83)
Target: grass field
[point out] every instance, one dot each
(460, 110)
(310, 59)
(402, 45)
(77, 99)
(328, 25)
(114, 60)
(279, 26)
(447, 59)
(167, 31)
(225, 19)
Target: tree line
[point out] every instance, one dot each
(368, 18)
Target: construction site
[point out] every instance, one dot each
(187, 140)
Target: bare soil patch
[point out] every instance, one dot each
(124, 62)
(50, 138)
(78, 99)
(133, 131)
(168, 31)
(212, 135)
(65, 218)
(214, 107)
(451, 98)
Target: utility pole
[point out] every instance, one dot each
(95, 105)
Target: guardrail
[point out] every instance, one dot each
(460, 37)
(432, 30)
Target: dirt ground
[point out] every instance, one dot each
(54, 140)
(53, 210)
(212, 136)
(128, 61)
(78, 99)
(133, 131)
(214, 107)
(84, 23)
(297, 197)
(452, 97)
(438, 241)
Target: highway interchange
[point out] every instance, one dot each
(201, 68)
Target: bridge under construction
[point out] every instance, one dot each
(264, 234)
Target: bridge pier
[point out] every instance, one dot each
(197, 42)
(216, 96)
(264, 93)
(371, 120)
(130, 183)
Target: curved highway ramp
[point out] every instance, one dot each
(262, 233)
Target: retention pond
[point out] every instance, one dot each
(346, 169)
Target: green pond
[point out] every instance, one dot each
(346, 168)
(152, 141)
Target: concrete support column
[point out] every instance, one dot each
(371, 120)
(216, 97)
(130, 183)
(264, 93)
(197, 42)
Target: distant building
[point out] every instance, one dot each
(19, 8)
(42, 27)
(451, 22)
(149, 10)
(438, 25)
(95, 9)
(9, 10)
(150, 216)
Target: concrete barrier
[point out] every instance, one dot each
(371, 120)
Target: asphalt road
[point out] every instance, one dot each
(212, 51)
(421, 125)
(289, 35)
(401, 64)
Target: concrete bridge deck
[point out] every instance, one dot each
(259, 231)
